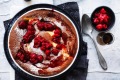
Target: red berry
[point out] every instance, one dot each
(99, 26)
(96, 20)
(97, 14)
(40, 25)
(27, 38)
(48, 26)
(103, 11)
(30, 28)
(57, 35)
(33, 61)
(33, 56)
(37, 42)
(43, 48)
(57, 31)
(49, 45)
(105, 26)
(47, 52)
(20, 56)
(56, 39)
(27, 56)
(55, 51)
(22, 24)
(40, 58)
(59, 46)
(44, 44)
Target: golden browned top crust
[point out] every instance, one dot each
(67, 29)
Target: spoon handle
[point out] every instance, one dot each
(100, 57)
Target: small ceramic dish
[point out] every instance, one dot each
(103, 18)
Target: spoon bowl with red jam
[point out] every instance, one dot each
(103, 18)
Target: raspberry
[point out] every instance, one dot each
(40, 25)
(22, 24)
(56, 40)
(60, 46)
(27, 38)
(47, 52)
(43, 48)
(49, 45)
(105, 26)
(20, 56)
(34, 61)
(57, 31)
(103, 11)
(97, 14)
(48, 26)
(99, 26)
(37, 42)
(40, 58)
(56, 35)
(55, 51)
(27, 56)
(33, 58)
(44, 44)
(96, 20)
(30, 28)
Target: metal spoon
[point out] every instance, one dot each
(87, 29)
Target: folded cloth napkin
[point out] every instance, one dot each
(80, 70)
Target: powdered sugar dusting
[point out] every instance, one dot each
(34, 69)
(20, 32)
(40, 65)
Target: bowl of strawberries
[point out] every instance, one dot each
(103, 18)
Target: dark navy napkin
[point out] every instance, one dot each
(80, 71)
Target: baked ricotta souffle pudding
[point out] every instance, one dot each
(43, 42)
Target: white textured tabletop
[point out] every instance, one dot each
(110, 52)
